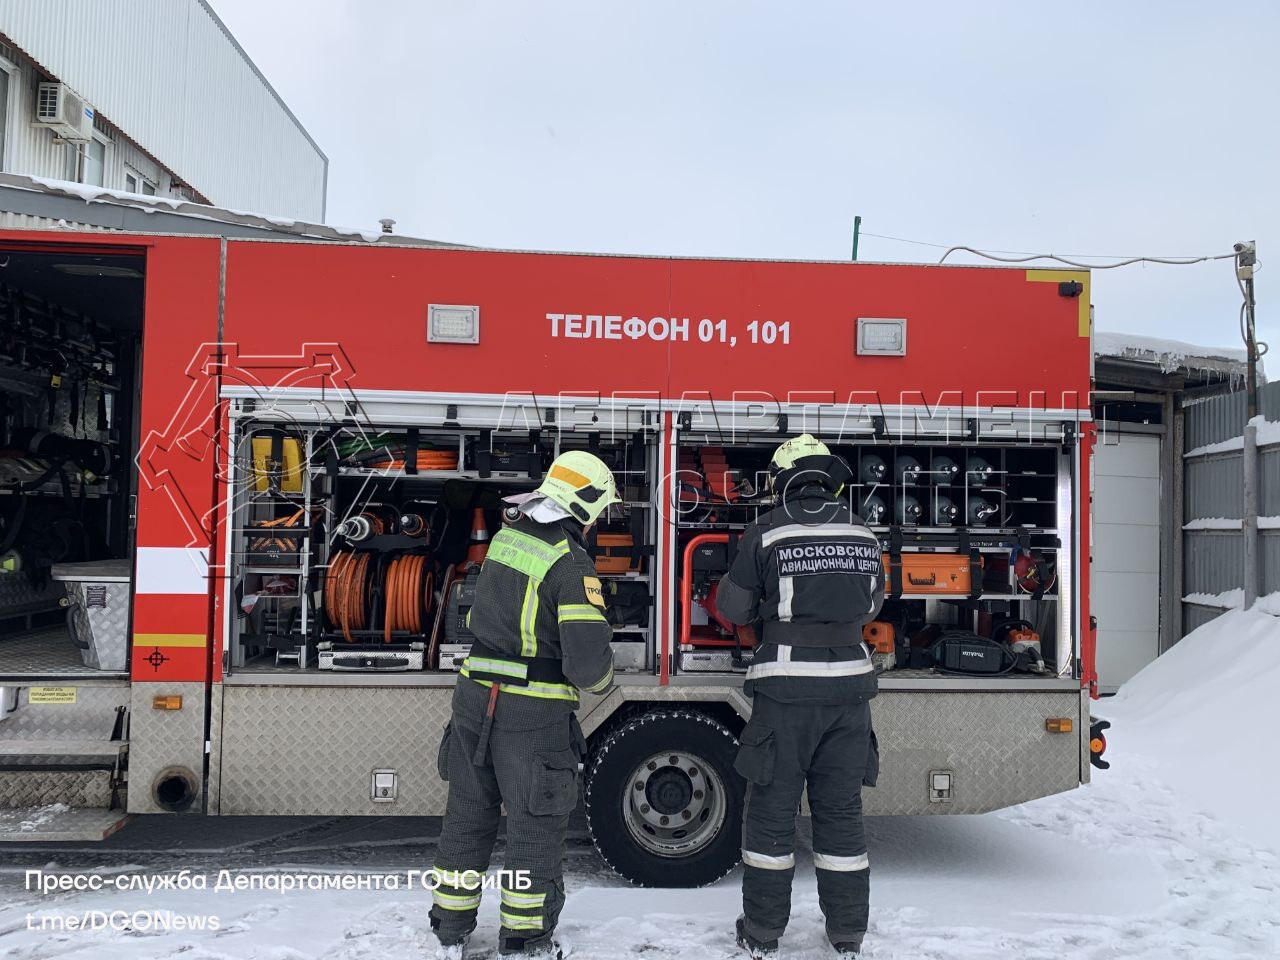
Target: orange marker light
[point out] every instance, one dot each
(1059, 725)
(170, 702)
(1097, 745)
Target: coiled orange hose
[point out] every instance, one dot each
(427, 460)
(408, 589)
(346, 591)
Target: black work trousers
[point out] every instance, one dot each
(529, 766)
(830, 748)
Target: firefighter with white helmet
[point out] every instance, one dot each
(540, 637)
(809, 572)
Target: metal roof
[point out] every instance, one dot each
(1157, 363)
(75, 205)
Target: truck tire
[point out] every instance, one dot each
(663, 801)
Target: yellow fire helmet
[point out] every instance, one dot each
(797, 448)
(806, 459)
(582, 484)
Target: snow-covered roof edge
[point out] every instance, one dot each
(1169, 355)
(91, 195)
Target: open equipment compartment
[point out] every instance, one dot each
(353, 550)
(70, 370)
(974, 536)
(71, 330)
(356, 543)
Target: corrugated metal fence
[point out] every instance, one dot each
(1213, 505)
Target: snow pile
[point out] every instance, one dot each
(1169, 355)
(1203, 716)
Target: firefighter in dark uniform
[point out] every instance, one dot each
(809, 572)
(540, 637)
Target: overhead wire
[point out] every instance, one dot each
(1075, 260)
(1260, 346)
(1069, 258)
(1172, 261)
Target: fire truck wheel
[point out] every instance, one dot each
(663, 801)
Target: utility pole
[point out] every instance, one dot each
(857, 229)
(1249, 525)
(1246, 258)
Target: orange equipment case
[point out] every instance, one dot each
(934, 573)
(613, 554)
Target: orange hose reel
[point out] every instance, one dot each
(407, 587)
(407, 582)
(346, 591)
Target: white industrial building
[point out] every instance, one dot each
(1145, 388)
(152, 97)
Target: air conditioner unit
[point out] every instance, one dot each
(63, 112)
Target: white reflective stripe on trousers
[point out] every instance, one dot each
(824, 861)
(796, 668)
(766, 862)
(842, 530)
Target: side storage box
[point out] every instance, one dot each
(97, 604)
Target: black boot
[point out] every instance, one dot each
(849, 948)
(756, 949)
(449, 948)
(542, 947)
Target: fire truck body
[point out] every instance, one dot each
(286, 387)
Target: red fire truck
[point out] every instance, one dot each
(245, 477)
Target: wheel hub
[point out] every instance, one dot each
(669, 790)
(675, 805)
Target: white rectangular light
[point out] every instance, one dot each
(451, 323)
(882, 337)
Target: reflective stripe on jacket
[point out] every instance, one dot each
(538, 615)
(809, 572)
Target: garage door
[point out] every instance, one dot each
(1126, 555)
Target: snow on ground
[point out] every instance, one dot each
(1173, 853)
(1202, 716)
(29, 821)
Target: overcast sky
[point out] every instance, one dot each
(757, 129)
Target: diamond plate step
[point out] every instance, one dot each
(59, 822)
(55, 754)
(47, 774)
